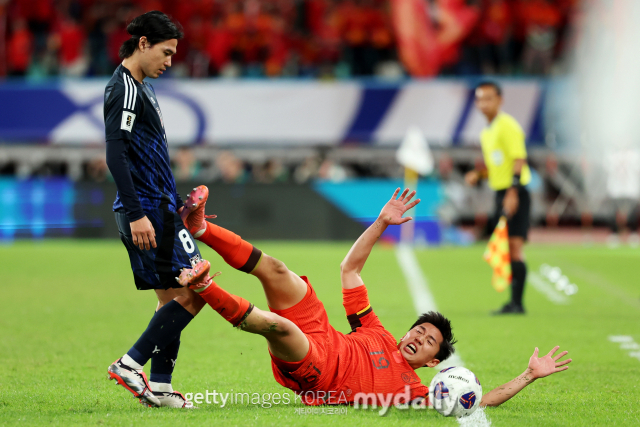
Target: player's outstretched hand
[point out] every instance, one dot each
(548, 364)
(392, 212)
(143, 234)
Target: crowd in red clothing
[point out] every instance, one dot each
(315, 38)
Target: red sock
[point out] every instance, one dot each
(236, 252)
(233, 308)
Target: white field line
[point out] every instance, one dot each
(546, 289)
(423, 301)
(601, 282)
(627, 343)
(419, 288)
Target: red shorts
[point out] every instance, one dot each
(315, 371)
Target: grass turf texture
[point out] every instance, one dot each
(69, 309)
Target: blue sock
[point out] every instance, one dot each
(163, 363)
(164, 328)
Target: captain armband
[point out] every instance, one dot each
(354, 319)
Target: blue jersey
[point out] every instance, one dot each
(132, 115)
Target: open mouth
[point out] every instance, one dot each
(412, 348)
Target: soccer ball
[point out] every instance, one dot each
(455, 392)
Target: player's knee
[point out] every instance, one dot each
(276, 266)
(191, 301)
(277, 325)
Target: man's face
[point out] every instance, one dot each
(488, 101)
(420, 346)
(157, 58)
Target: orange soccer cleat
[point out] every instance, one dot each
(196, 277)
(193, 213)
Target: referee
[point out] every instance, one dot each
(505, 157)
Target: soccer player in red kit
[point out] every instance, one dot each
(308, 355)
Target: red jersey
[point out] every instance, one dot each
(351, 368)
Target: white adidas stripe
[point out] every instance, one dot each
(130, 92)
(135, 93)
(126, 90)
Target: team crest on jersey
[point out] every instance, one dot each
(127, 120)
(410, 377)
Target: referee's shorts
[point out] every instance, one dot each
(519, 223)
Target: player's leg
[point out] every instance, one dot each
(517, 238)
(286, 341)
(518, 226)
(163, 361)
(300, 337)
(188, 299)
(518, 270)
(156, 269)
(282, 287)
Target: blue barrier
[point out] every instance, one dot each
(34, 208)
(363, 199)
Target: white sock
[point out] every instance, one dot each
(164, 387)
(127, 360)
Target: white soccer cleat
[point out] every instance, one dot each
(134, 381)
(173, 399)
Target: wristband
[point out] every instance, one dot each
(516, 180)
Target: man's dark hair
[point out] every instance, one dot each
(492, 84)
(444, 326)
(155, 26)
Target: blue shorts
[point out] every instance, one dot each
(157, 268)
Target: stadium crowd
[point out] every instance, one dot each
(288, 38)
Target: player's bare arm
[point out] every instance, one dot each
(391, 214)
(538, 368)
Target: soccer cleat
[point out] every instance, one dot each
(174, 399)
(197, 276)
(134, 381)
(509, 308)
(193, 215)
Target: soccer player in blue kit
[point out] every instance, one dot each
(147, 208)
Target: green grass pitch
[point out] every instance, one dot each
(69, 308)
